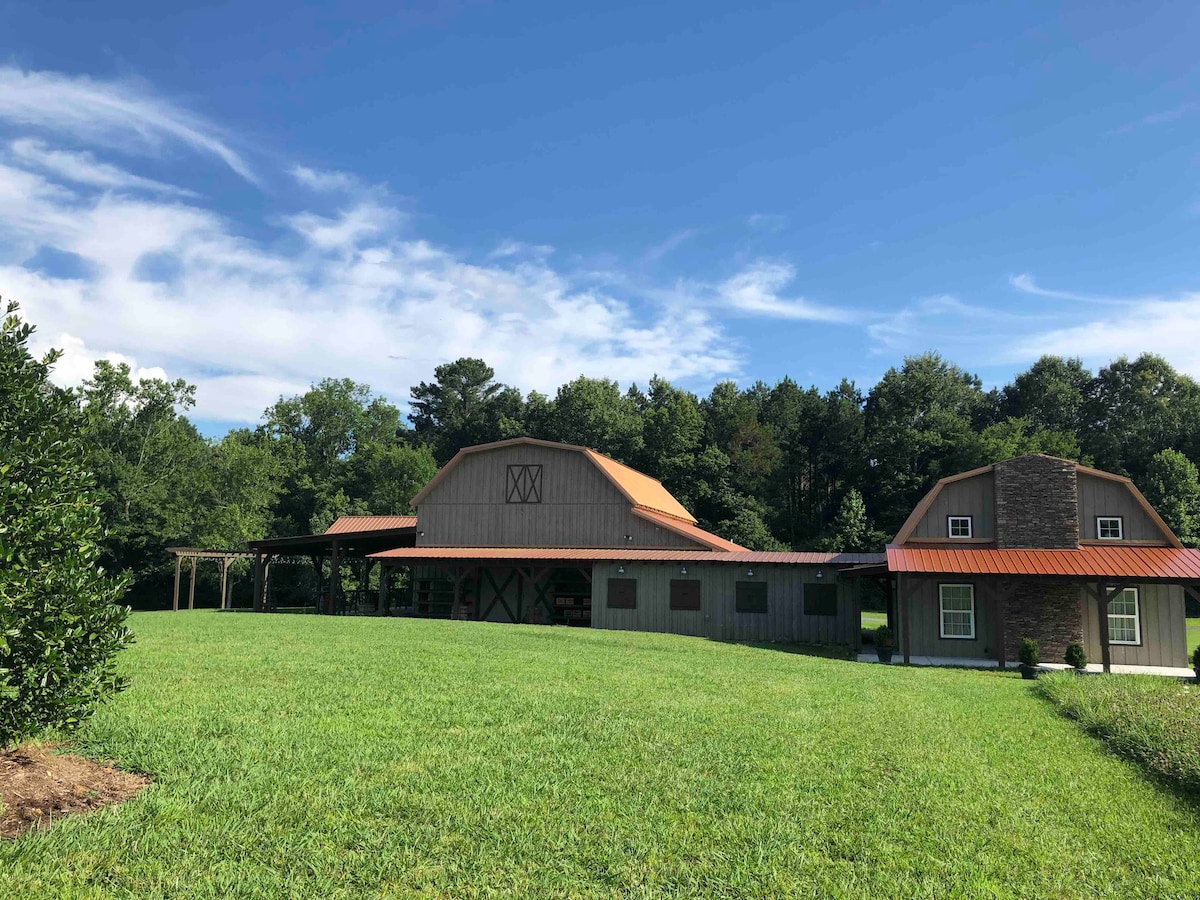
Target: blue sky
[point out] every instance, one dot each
(253, 196)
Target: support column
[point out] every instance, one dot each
(905, 630)
(192, 585)
(258, 582)
(1102, 604)
(1001, 636)
(335, 577)
(225, 563)
(178, 564)
(381, 605)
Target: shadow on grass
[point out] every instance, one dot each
(823, 651)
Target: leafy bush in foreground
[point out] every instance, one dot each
(60, 625)
(1153, 721)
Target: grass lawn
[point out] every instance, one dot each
(324, 757)
(1193, 636)
(872, 620)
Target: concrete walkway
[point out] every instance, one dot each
(970, 663)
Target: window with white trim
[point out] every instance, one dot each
(1124, 623)
(957, 607)
(1109, 528)
(959, 526)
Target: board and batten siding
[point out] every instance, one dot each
(1163, 626)
(974, 497)
(579, 506)
(717, 617)
(925, 621)
(1103, 497)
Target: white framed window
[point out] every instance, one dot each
(1124, 623)
(959, 526)
(1110, 528)
(957, 606)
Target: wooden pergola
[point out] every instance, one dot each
(193, 555)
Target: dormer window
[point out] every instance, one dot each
(959, 526)
(1109, 528)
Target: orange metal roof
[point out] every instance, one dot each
(639, 489)
(686, 529)
(359, 524)
(1088, 561)
(623, 554)
(642, 490)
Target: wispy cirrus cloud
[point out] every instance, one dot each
(1026, 284)
(757, 291)
(341, 285)
(123, 115)
(82, 167)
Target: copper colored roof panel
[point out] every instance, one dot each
(686, 529)
(1085, 562)
(623, 554)
(359, 524)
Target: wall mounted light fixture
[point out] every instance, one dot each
(683, 571)
(749, 573)
(620, 570)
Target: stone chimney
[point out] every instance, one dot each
(1037, 503)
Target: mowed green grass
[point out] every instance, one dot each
(318, 757)
(872, 620)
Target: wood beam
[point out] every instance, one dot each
(192, 585)
(178, 564)
(225, 564)
(1102, 624)
(258, 583)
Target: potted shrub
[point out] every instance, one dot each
(1076, 658)
(885, 643)
(1029, 658)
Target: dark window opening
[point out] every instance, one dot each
(685, 594)
(820, 599)
(751, 597)
(622, 593)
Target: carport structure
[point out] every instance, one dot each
(348, 541)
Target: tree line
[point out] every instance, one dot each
(769, 466)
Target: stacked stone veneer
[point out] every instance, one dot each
(1037, 507)
(1037, 503)
(1050, 614)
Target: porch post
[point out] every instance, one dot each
(224, 579)
(335, 577)
(178, 564)
(904, 619)
(1001, 637)
(258, 582)
(1102, 609)
(381, 600)
(192, 584)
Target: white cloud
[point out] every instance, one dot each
(174, 288)
(658, 251)
(755, 291)
(324, 180)
(1170, 327)
(1026, 284)
(121, 115)
(509, 247)
(84, 168)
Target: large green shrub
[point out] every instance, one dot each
(1028, 654)
(60, 622)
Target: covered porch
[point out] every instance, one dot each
(972, 607)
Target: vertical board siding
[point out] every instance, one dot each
(1102, 497)
(974, 497)
(925, 621)
(717, 617)
(1164, 629)
(580, 507)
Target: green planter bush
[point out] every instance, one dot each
(1029, 658)
(885, 643)
(1076, 658)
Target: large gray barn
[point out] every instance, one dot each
(532, 531)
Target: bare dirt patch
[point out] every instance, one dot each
(39, 786)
